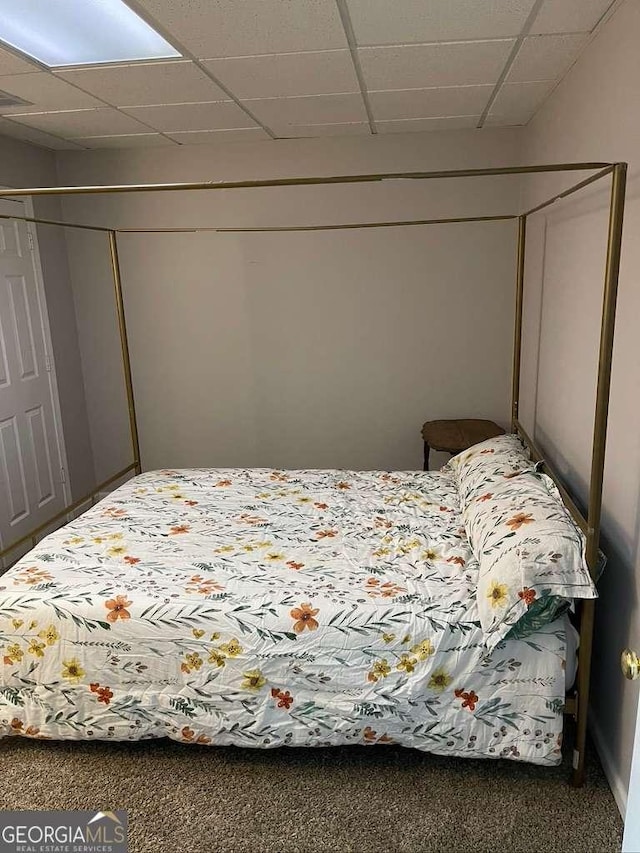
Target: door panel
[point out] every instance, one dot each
(22, 328)
(10, 242)
(13, 470)
(31, 476)
(45, 490)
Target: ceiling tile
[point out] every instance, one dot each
(125, 140)
(352, 128)
(429, 103)
(214, 28)
(103, 122)
(545, 57)
(517, 102)
(214, 137)
(37, 137)
(147, 83)
(569, 16)
(44, 92)
(427, 124)
(424, 65)
(282, 113)
(287, 74)
(407, 21)
(218, 115)
(11, 64)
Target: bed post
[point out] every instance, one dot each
(124, 343)
(517, 336)
(612, 269)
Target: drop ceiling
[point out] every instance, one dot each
(272, 69)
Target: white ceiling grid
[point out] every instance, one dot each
(266, 69)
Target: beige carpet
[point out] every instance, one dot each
(183, 799)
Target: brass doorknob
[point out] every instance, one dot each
(630, 664)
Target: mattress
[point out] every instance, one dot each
(263, 608)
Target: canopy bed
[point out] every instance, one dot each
(265, 608)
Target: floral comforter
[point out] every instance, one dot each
(262, 608)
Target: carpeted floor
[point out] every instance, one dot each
(183, 799)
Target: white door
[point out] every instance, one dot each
(31, 450)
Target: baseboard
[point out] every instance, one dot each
(618, 787)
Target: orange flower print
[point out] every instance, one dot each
(390, 590)
(295, 566)
(386, 590)
(203, 586)
(285, 699)
(469, 699)
(387, 478)
(519, 519)
(32, 576)
(321, 506)
(326, 534)
(486, 497)
(371, 736)
(112, 512)
(189, 736)
(527, 595)
(223, 483)
(457, 560)
(117, 608)
(252, 519)
(484, 452)
(278, 477)
(191, 503)
(179, 528)
(342, 485)
(104, 693)
(304, 618)
(132, 560)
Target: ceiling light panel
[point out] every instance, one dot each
(79, 32)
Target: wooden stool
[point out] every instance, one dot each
(456, 435)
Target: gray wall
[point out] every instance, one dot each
(22, 164)
(323, 349)
(593, 115)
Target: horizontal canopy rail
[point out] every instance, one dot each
(343, 227)
(308, 182)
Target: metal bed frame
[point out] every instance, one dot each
(589, 521)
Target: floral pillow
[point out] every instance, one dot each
(530, 555)
(484, 464)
